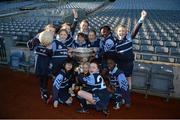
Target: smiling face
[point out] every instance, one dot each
(111, 64)
(63, 35)
(105, 32)
(85, 68)
(121, 32)
(84, 26)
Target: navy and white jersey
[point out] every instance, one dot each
(95, 43)
(77, 44)
(61, 86)
(61, 81)
(124, 48)
(73, 27)
(31, 44)
(95, 81)
(69, 41)
(118, 79)
(43, 56)
(108, 44)
(60, 51)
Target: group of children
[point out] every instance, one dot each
(94, 83)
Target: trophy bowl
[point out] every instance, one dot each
(82, 54)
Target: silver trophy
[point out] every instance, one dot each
(83, 54)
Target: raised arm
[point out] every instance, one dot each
(139, 24)
(73, 27)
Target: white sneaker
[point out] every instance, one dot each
(55, 104)
(117, 106)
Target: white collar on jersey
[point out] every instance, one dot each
(114, 70)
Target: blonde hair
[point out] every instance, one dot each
(49, 26)
(84, 21)
(46, 38)
(86, 63)
(121, 26)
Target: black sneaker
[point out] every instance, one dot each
(117, 106)
(82, 110)
(44, 96)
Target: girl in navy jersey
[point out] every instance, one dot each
(80, 42)
(123, 47)
(99, 96)
(84, 28)
(61, 85)
(60, 52)
(70, 29)
(43, 53)
(94, 42)
(31, 44)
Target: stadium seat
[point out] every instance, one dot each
(140, 76)
(170, 44)
(147, 49)
(145, 42)
(161, 80)
(161, 50)
(175, 52)
(136, 47)
(166, 59)
(157, 43)
(149, 57)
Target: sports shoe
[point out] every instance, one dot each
(69, 102)
(44, 96)
(82, 110)
(117, 106)
(106, 112)
(55, 104)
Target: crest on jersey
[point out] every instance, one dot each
(59, 47)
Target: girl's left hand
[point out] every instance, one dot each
(143, 14)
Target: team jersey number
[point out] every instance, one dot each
(100, 81)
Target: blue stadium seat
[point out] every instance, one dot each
(170, 44)
(161, 50)
(140, 76)
(161, 80)
(147, 49)
(175, 52)
(157, 43)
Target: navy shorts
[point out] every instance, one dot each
(64, 95)
(127, 68)
(102, 98)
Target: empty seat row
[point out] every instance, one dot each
(156, 78)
